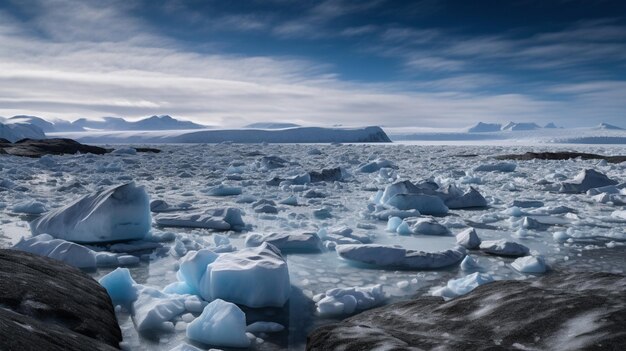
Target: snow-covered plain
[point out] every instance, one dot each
(271, 197)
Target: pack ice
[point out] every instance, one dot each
(395, 257)
(121, 212)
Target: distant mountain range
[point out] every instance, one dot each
(272, 125)
(482, 127)
(163, 122)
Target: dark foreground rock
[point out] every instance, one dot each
(48, 305)
(582, 311)
(561, 156)
(40, 147)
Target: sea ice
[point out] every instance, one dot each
(121, 212)
(220, 324)
(376, 165)
(425, 204)
(30, 207)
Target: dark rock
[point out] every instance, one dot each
(48, 305)
(561, 156)
(4, 141)
(581, 311)
(327, 175)
(40, 147)
(147, 150)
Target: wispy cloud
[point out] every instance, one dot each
(73, 59)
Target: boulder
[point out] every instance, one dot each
(49, 305)
(558, 311)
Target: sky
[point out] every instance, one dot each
(393, 63)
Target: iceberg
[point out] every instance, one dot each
(530, 264)
(121, 212)
(468, 239)
(425, 204)
(303, 242)
(121, 287)
(462, 286)
(585, 180)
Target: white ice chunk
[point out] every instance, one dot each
(585, 180)
(302, 242)
(228, 218)
(254, 277)
(425, 204)
(429, 226)
(220, 324)
(462, 286)
(469, 264)
(530, 264)
(340, 301)
(153, 308)
(120, 285)
(503, 247)
(376, 165)
(118, 213)
(193, 266)
(468, 239)
(30, 207)
(45, 245)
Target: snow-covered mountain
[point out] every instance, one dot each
(607, 126)
(482, 127)
(272, 125)
(163, 122)
(16, 131)
(513, 126)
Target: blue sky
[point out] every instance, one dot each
(430, 63)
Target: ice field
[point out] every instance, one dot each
(282, 238)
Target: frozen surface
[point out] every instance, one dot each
(572, 231)
(45, 245)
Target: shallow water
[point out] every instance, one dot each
(598, 243)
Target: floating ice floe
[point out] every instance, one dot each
(228, 218)
(339, 301)
(224, 190)
(118, 213)
(154, 310)
(394, 257)
(429, 226)
(585, 180)
(527, 203)
(254, 277)
(302, 242)
(158, 206)
(376, 165)
(30, 207)
(328, 175)
(265, 327)
(220, 324)
(530, 264)
(425, 204)
(468, 239)
(73, 254)
(496, 167)
(462, 286)
(504, 248)
(426, 197)
(469, 264)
